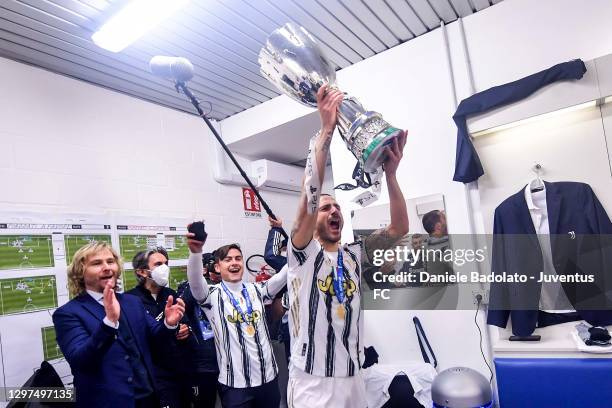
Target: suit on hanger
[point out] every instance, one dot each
(100, 356)
(576, 220)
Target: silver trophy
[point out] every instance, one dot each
(293, 61)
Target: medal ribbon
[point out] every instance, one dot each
(235, 303)
(339, 278)
(205, 327)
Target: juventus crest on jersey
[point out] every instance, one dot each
(324, 330)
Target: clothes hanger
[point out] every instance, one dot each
(537, 184)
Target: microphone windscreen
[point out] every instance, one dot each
(177, 68)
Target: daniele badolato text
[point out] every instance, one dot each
(475, 277)
(458, 257)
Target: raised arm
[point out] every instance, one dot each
(328, 101)
(274, 244)
(385, 238)
(274, 285)
(197, 283)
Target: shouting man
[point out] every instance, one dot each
(324, 280)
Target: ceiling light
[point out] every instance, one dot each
(133, 21)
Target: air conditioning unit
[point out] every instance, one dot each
(278, 176)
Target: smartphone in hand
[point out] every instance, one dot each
(197, 228)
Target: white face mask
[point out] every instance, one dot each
(161, 275)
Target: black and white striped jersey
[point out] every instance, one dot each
(325, 335)
(245, 359)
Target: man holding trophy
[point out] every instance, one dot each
(323, 279)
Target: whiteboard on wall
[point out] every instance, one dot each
(35, 249)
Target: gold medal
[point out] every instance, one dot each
(341, 311)
(250, 330)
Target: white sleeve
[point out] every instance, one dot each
(197, 283)
(107, 322)
(275, 284)
(170, 327)
(298, 257)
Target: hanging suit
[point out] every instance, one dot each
(576, 220)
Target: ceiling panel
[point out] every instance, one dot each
(462, 7)
(444, 9)
(426, 13)
(388, 19)
(480, 4)
(353, 24)
(379, 27)
(406, 13)
(96, 4)
(58, 11)
(221, 38)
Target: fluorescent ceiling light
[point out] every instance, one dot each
(133, 21)
(548, 115)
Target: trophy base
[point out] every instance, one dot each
(373, 155)
(366, 134)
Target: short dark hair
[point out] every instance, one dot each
(222, 252)
(141, 260)
(327, 195)
(207, 257)
(208, 261)
(430, 220)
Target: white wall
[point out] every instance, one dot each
(519, 37)
(411, 86)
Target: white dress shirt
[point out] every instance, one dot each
(552, 298)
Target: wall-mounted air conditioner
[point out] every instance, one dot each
(276, 175)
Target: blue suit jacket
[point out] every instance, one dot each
(97, 357)
(572, 208)
(467, 163)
